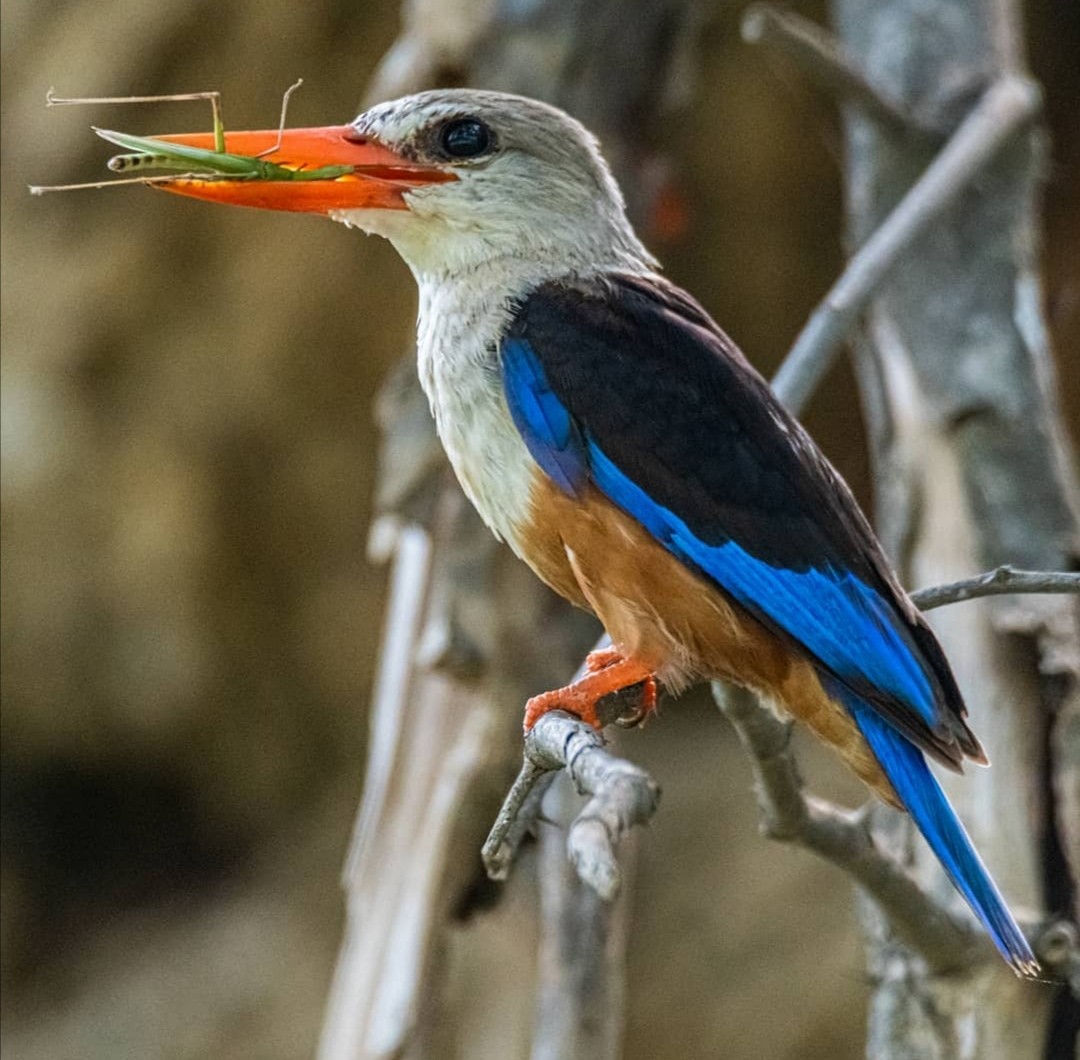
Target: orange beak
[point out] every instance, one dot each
(378, 180)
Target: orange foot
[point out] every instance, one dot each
(607, 671)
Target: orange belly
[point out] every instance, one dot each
(681, 626)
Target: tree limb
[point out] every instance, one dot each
(1002, 580)
(819, 54)
(842, 836)
(1007, 106)
(622, 793)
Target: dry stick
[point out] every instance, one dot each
(1004, 579)
(351, 987)
(946, 940)
(623, 795)
(1007, 106)
(821, 57)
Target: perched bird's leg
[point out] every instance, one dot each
(605, 657)
(608, 671)
(602, 659)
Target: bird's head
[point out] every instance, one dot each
(453, 178)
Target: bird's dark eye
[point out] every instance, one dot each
(464, 138)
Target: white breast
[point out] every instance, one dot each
(457, 342)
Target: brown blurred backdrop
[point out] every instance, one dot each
(189, 622)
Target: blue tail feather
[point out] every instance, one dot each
(921, 794)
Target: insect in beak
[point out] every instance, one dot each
(317, 170)
(308, 170)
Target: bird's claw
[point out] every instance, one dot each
(607, 671)
(645, 709)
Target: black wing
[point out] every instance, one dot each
(626, 381)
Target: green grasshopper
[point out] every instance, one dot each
(148, 153)
(160, 154)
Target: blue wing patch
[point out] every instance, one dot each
(541, 418)
(841, 621)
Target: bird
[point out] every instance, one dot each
(608, 430)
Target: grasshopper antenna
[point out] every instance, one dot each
(281, 124)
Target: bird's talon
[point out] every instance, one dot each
(568, 699)
(646, 707)
(607, 671)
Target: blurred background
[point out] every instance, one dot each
(190, 625)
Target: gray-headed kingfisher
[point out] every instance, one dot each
(619, 442)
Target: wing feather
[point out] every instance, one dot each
(626, 382)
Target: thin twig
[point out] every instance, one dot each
(1004, 579)
(841, 836)
(820, 56)
(1007, 106)
(546, 750)
(789, 814)
(519, 810)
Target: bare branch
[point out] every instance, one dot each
(819, 54)
(1006, 107)
(842, 837)
(995, 583)
(622, 793)
(520, 809)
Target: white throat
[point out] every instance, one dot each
(438, 250)
(469, 282)
(459, 325)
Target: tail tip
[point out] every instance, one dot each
(1026, 966)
